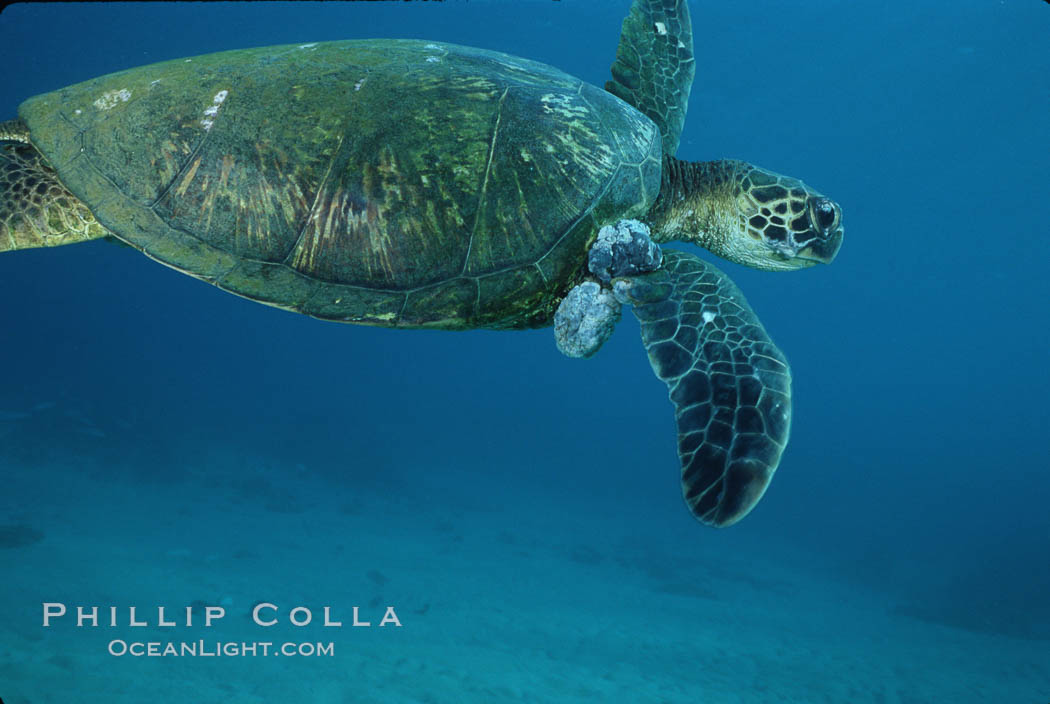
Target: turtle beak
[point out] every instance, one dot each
(823, 249)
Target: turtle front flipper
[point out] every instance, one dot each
(654, 65)
(36, 210)
(730, 385)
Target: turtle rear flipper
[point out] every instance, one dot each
(36, 210)
(654, 65)
(730, 385)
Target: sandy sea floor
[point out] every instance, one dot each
(505, 593)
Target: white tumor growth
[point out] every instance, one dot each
(585, 320)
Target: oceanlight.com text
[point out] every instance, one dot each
(212, 649)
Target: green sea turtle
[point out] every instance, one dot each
(421, 184)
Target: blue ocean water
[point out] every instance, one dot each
(162, 442)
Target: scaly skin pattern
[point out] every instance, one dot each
(746, 214)
(730, 385)
(654, 64)
(397, 183)
(36, 210)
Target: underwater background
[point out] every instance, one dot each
(165, 443)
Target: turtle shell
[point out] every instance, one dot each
(389, 182)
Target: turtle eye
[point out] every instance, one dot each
(824, 214)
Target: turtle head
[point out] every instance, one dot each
(791, 225)
(748, 215)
